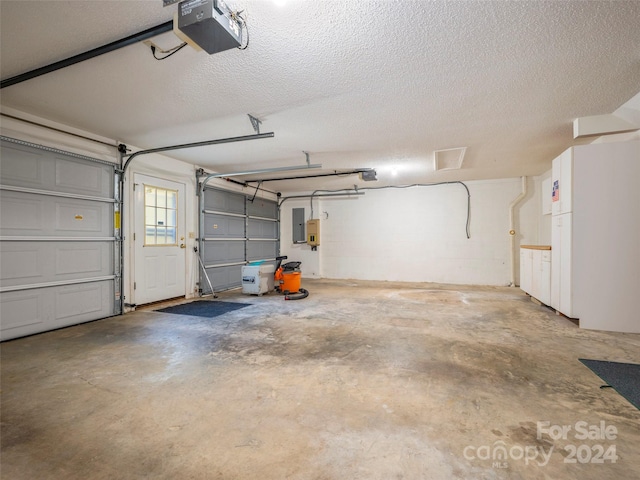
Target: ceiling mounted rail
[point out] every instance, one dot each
(195, 144)
(347, 193)
(308, 165)
(67, 62)
(208, 177)
(335, 173)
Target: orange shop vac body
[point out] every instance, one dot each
(287, 280)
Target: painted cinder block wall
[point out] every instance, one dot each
(418, 234)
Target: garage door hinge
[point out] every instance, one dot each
(134, 285)
(134, 237)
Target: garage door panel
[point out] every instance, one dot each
(82, 178)
(25, 263)
(76, 216)
(20, 263)
(83, 259)
(57, 247)
(262, 208)
(34, 311)
(81, 301)
(20, 311)
(261, 250)
(26, 167)
(262, 229)
(221, 201)
(20, 214)
(21, 168)
(221, 226)
(224, 278)
(223, 251)
(31, 214)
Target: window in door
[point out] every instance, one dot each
(160, 216)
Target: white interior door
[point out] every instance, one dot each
(159, 240)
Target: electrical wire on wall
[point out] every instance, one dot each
(168, 53)
(242, 21)
(356, 189)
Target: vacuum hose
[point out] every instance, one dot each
(302, 293)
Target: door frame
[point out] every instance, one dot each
(248, 215)
(133, 227)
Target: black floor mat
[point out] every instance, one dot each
(204, 308)
(623, 377)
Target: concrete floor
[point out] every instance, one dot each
(358, 381)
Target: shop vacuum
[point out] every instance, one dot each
(287, 280)
(259, 278)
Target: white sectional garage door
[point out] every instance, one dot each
(58, 249)
(235, 230)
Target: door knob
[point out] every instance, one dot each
(182, 245)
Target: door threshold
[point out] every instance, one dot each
(168, 302)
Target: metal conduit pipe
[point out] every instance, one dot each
(315, 194)
(362, 189)
(512, 231)
(346, 193)
(353, 192)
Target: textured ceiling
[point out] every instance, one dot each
(355, 83)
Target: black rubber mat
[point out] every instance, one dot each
(623, 377)
(204, 308)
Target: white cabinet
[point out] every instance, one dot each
(544, 282)
(535, 271)
(526, 269)
(562, 233)
(562, 264)
(562, 183)
(546, 196)
(595, 233)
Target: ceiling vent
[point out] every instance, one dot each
(449, 159)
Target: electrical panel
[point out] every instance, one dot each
(297, 216)
(209, 24)
(313, 232)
